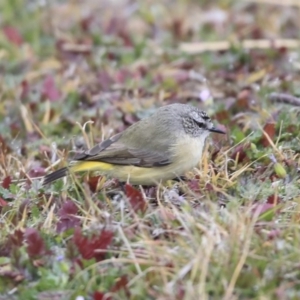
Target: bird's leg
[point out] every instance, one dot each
(179, 178)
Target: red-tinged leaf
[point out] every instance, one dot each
(120, 284)
(36, 172)
(243, 99)
(15, 129)
(3, 202)
(291, 163)
(35, 243)
(3, 146)
(129, 119)
(45, 149)
(292, 128)
(14, 240)
(239, 153)
(93, 182)
(17, 238)
(88, 246)
(222, 116)
(78, 262)
(32, 136)
(151, 192)
(116, 28)
(13, 35)
(269, 133)
(16, 276)
(209, 187)
(107, 115)
(142, 71)
(259, 208)
(265, 211)
(50, 90)
(274, 199)
(86, 22)
(23, 206)
(111, 55)
(113, 25)
(68, 217)
(68, 208)
(215, 153)
(135, 198)
(123, 75)
(38, 263)
(194, 185)
(177, 28)
(33, 106)
(100, 296)
(5, 248)
(25, 89)
(180, 292)
(105, 80)
(273, 234)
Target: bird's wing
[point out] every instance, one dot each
(114, 151)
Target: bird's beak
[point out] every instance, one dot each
(216, 130)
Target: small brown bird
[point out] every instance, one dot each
(160, 147)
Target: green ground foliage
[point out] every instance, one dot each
(75, 72)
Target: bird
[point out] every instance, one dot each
(157, 148)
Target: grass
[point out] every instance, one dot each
(73, 74)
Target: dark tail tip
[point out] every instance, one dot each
(55, 175)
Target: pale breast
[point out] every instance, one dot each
(188, 152)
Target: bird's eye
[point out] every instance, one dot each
(200, 124)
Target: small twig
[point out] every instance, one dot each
(277, 2)
(77, 48)
(47, 114)
(86, 138)
(284, 98)
(53, 164)
(26, 119)
(199, 47)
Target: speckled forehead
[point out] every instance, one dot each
(196, 114)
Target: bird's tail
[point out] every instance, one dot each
(103, 167)
(55, 175)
